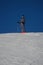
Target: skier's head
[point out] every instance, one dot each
(22, 17)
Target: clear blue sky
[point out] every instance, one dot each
(11, 11)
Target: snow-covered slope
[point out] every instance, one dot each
(21, 49)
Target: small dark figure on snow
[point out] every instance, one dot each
(22, 23)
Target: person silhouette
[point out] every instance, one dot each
(22, 23)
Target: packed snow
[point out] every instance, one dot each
(21, 49)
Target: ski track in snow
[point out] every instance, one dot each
(21, 49)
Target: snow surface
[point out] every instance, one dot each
(21, 49)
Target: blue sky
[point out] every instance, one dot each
(12, 10)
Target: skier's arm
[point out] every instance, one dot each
(19, 22)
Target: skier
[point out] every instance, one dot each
(22, 23)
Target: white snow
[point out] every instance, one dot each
(21, 49)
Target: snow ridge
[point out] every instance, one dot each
(21, 49)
